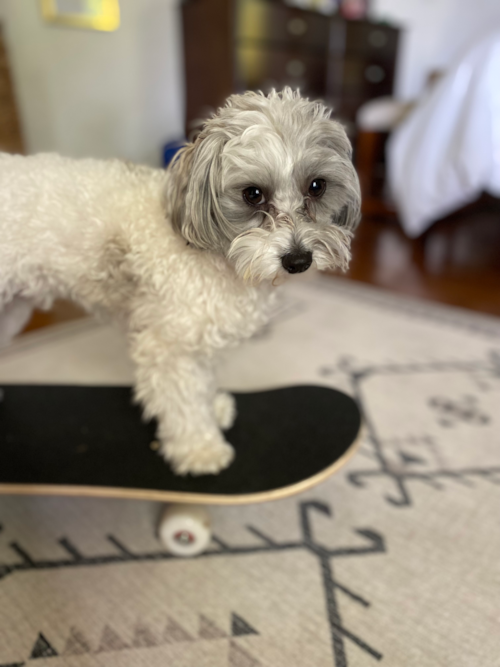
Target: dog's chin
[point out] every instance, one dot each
(256, 254)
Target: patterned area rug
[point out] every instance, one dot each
(395, 561)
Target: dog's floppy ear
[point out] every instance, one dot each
(334, 137)
(192, 193)
(350, 214)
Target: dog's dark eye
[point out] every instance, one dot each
(317, 187)
(254, 196)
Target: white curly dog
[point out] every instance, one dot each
(185, 260)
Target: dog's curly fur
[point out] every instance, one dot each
(179, 258)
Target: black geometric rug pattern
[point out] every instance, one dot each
(448, 412)
(142, 637)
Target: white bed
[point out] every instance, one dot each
(447, 152)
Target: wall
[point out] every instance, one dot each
(87, 93)
(121, 94)
(436, 33)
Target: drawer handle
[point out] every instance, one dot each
(297, 27)
(377, 38)
(295, 68)
(374, 73)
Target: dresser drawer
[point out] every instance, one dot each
(362, 38)
(354, 80)
(372, 40)
(367, 78)
(264, 21)
(265, 68)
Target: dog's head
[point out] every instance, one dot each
(269, 183)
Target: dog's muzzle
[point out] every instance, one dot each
(297, 262)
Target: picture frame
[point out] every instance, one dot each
(89, 14)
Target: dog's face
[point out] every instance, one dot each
(269, 183)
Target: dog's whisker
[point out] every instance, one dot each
(271, 226)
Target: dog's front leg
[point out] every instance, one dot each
(179, 391)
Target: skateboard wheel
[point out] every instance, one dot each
(185, 529)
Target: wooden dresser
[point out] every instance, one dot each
(10, 131)
(236, 45)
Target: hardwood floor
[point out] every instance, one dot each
(457, 262)
(61, 311)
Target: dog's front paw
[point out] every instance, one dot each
(198, 455)
(225, 409)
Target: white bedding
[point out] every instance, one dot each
(448, 150)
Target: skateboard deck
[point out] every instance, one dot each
(91, 441)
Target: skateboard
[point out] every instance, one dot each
(92, 441)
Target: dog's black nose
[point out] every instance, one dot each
(297, 262)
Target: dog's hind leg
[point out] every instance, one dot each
(13, 317)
